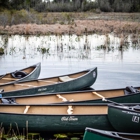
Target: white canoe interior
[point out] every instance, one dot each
(41, 82)
(54, 110)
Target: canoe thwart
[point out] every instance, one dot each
(99, 95)
(61, 97)
(9, 78)
(47, 81)
(106, 100)
(64, 99)
(65, 78)
(69, 111)
(26, 109)
(25, 85)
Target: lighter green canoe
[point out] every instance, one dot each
(96, 134)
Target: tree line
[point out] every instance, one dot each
(73, 5)
(119, 5)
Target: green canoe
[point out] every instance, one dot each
(97, 134)
(123, 95)
(28, 73)
(125, 118)
(74, 81)
(55, 118)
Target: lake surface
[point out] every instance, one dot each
(117, 67)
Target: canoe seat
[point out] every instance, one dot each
(65, 78)
(19, 74)
(1, 90)
(137, 108)
(5, 101)
(131, 90)
(8, 101)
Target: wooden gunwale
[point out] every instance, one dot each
(9, 79)
(54, 110)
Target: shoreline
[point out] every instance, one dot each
(78, 27)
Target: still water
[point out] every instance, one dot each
(117, 66)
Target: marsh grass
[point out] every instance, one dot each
(15, 134)
(68, 136)
(33, 23)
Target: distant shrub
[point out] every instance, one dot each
(1, 50)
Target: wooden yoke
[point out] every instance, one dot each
(69, 111)
(26, 109)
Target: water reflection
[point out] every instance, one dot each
(66, 47)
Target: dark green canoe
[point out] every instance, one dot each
(55, 118)
(97, 134)
(28, 73)
(123, 95)
(74, 81)
(125, 118)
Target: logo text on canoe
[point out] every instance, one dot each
(135, 119)
(94, 74)
(71, 118)
(42, 89)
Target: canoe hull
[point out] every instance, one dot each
(76, 97)
(99, 134)
(77, 84)
(30, 76)
(123, 119)
(88, 135)
(55, 123)
(33, 75)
